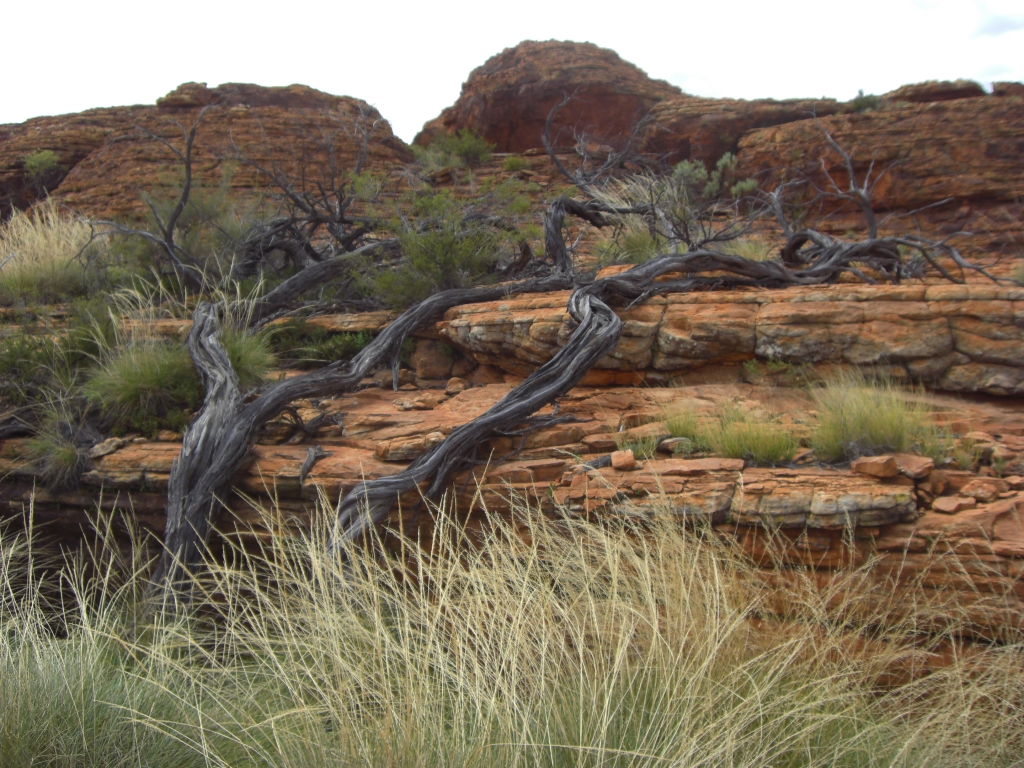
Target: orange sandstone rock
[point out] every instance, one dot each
(507, 100)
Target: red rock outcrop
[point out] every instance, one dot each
(953, 533)
(934, 90)
(970, 151)
(110, 161)
(966, 338)
(689, 128)
(507, 100)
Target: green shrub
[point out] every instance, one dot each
(297, 346)
(446, 244)
(515, 163)
(685, 424)
(858, 416)
(633, 244)
(698, 184)
(59, 448)
(453, 150)
(38, 360)
(44, 171)
(153, 385)
(864, 102)
(744, 435)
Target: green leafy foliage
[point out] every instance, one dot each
(44, 170)
(210, 228)
(864, 102)
(38, 359)
(446, 243)
(634, 243)
(515, 163)
(454, 150)
(700, 185)
(298, 346)
(690, 209)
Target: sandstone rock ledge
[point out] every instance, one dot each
(963, 338)
(956, 534)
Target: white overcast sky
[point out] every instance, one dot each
(410, 59)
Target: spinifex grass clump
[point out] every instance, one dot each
(150, 385)
(643, 445)
(735, 434)
(46, 257)
(539, 643)
(859, 416)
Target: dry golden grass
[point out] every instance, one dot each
(41, 254)
(548, 643)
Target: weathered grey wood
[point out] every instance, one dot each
(220, 438)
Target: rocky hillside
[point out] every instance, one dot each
(109, 156)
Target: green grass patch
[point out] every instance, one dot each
(643, 446)
(733, 433)
(859, 416)
(152, 385)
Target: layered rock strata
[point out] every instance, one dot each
(110, 158)
(964, 338)
(953, 533)
(969, 151)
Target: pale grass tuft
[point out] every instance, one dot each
(751, 248)
(41, 254)
(543, 642)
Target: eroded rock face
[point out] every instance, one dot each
(507, 100)
(967, 151)
(965, 338)
(109, 158)
(689, 128)
(935, 90)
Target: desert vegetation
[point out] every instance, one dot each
(578, 644)
(520, 638)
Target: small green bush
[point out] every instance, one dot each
(515, 163)
(445, 246)
(685, 424)
(864, 102)
(44, 170)
(153, 385)
(858, 416)
(633, 244)
(699, 185)
(59, 447)
(453, 150)
(296, 346)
